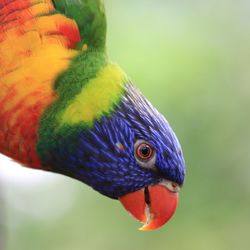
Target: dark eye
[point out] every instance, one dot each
(144, 152)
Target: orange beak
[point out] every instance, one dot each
(153, 205)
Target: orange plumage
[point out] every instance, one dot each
(35, 47)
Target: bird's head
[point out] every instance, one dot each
(130, 154)
(137, 159)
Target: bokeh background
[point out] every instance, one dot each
(192, 60)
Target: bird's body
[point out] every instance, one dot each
(34, 51)
(64, 107)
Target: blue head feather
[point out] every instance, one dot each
(94, 157)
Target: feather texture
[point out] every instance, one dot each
(64, 107)
(34, 49)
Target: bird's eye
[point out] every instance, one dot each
(145, 154)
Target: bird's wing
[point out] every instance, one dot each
(38, 40)
(28, 27)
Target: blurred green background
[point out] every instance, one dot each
(192, 60)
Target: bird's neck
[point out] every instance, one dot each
(86, 92)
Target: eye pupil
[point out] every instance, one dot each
(145, 151)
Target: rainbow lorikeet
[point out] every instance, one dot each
(66, 108)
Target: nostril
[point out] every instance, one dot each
(175, 187)
(172, 186)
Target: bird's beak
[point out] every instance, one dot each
(153, 205)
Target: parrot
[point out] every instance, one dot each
(66, 108)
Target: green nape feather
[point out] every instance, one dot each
(91, 86)
(90, 18)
